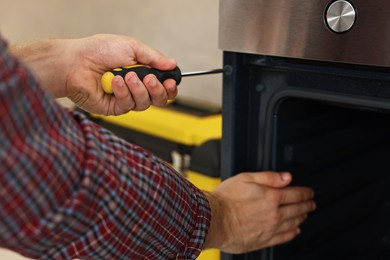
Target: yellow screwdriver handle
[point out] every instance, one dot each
(141, 71)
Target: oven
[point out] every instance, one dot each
(307, 90)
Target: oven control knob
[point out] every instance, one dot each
(340, 16)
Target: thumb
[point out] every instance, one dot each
(271, 179)
(149, 56)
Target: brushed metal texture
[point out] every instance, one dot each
(298, 29)
(340, 16)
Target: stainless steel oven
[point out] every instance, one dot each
(308, 91)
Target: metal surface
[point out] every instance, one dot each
(204, 72)
(340, 16)
(298, 29)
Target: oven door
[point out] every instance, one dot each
(329, 124)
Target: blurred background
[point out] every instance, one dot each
(184, 30)
(181, 29)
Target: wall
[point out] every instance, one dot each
(182, 29)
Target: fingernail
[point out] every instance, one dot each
(171, 60)
(286, 176)
(134, 79)
(171, 89)
(153, 82)
(118, 80)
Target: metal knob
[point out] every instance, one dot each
(340, 16)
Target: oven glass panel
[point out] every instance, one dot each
(343, 153)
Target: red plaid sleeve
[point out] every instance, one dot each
(71, 189)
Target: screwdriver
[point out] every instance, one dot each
(142, 71)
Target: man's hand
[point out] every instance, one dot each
(73, 68)
(251, 211)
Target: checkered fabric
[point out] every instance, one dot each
(71, 189)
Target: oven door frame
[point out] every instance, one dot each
(248, 109)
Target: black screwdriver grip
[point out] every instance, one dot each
(141, 72)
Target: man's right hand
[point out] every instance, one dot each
(251, 211)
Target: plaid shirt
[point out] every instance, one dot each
(71, 189)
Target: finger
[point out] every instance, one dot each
(291, 224)
(282, 238)
(296, 210)
(295, 194)
(157, 92)
(171, 88)
(138, 91)
(269, 178)
(123, 99)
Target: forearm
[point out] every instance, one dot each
(216, 233)
(41, 163)
(71, 184)
(47, 60)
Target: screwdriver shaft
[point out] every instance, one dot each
(204, 72)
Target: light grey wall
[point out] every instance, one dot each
(182, 29)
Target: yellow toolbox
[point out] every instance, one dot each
(185, 136)
(204, 172)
